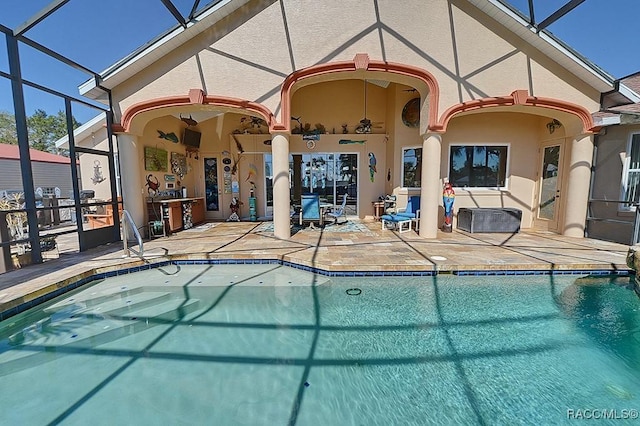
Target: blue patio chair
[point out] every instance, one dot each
(310, 209)
(400, 223)
(412, 211)
(339, 212)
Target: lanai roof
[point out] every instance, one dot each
(191, 17)
(499, 10)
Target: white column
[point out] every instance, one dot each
(431, 191)
(577, 192)
(131, 174)
(281, 198)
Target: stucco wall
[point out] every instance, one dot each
(329, 104)
(520, 133)
(607, 185)
(150, 138)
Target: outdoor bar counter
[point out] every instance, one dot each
(176, 213)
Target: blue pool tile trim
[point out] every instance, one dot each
(591, 272)
(424, 273)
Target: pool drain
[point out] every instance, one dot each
(354, 292)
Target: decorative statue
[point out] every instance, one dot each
(235, 208)
(448, 197)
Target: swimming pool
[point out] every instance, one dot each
(272, 345)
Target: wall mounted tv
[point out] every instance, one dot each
(191, 139)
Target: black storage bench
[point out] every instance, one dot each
(489, 219)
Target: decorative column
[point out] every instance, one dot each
(577, 192)
(281, 198)
(431, 191)
(131, 173)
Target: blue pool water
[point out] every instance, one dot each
(271, 345)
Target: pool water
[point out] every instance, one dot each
(272, 345)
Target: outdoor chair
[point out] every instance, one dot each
(310, 209)
(399, 223)
(339, 212)
(411, 211)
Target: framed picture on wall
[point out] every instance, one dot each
(178, 164)
(155, 159)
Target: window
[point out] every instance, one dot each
(478, 166)
(411, 167)
(631, 178)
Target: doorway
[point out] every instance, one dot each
(549, 183)
(212, 193)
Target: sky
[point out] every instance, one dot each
(603, 31)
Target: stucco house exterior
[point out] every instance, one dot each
(364, 98)
(615, 189)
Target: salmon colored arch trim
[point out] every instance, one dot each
(359, 63)
(188, 100)
(519, 97)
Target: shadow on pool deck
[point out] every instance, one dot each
(369, 248)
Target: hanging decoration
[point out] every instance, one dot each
(227, 172)
(188, 120)
(155, 159)
(178, 164)
(411, 113)
(253, 172)
(97, 173)
(237, 156)
(252, 125)
(168, 136)
(372, 166)
(153, 184)
(349, 141)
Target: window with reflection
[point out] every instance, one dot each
(478, 166)
(411, 167)
(631, 186)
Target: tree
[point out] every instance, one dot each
(43, 129)
(8, 128)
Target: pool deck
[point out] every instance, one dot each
(367, 249)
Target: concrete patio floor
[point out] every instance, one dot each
(330, 249)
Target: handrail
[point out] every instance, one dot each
(635, 237)
(127, 250)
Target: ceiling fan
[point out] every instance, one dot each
(366, 125)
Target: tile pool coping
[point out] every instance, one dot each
(23, 303)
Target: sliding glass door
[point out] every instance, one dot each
(330, 175)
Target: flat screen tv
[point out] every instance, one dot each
(191, 138)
